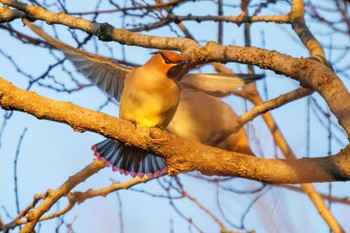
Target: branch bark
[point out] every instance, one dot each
(7, 15)
(181, 155)
(272, 104)
(309, 73)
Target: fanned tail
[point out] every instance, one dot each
(129, 160)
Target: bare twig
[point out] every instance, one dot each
(82, 196)
(34, 215)
(15, 169)
(272, 104)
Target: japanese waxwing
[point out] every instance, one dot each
(149, 96)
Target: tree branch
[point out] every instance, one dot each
(309, 73)
(231, 19)
(181, 155)
(272, 104)
(54, 195)
(7, 15)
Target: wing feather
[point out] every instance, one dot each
(108, 75)
(219, 83)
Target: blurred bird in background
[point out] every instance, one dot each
(160, 94)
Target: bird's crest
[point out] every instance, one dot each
(170, 57)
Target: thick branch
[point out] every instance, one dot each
(182, 156)
(310, 73)
(296, 16)
(103, 31)
(7, 15)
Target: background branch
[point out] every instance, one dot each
(53, 196)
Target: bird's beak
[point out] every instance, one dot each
(176, 72)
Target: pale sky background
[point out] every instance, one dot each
(51, 152)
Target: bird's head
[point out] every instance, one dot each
(168, 63)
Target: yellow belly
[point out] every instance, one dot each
(149, 103)
(147, 113)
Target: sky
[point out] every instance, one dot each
(51, 152)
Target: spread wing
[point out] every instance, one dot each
(219, 83)
(108, 75)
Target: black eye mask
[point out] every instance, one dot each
(166, 59)
(175, 70)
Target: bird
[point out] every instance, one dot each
(205, 118)
(149, 98)
(160, 94)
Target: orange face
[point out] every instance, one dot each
(167, 63)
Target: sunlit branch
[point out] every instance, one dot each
(187, 157)
(82, 196)
(8, 15)
(272, 104)
(300, 69)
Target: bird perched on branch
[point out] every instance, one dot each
(207, 119)
(157, 94)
